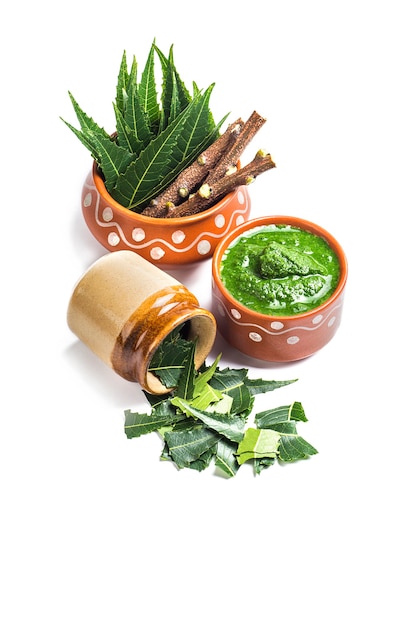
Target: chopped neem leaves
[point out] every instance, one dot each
(204, 419)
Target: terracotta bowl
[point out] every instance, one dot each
(281, 338)
(162, 241)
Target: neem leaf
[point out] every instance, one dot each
(295, 448)
(264, 463)
(170, 98)
(258, 443)
(87, 123)
(209, 419)
(89, 128)
(207, 397)
(205, 376)
(297, 413)
(203, 461)
(148, 93)
(222, 405)
(204, 394)
(137, 424)
(187, 446)
(172, 357)
(225, 457)
(156, 399)
(122, 82)
(113, 159)
(170, 76)
(142, 179)
(231, 426)
(136, 108)
(125, 136)
(136, 119)
(283, 420)
(228, 379)
(183, 139)
(262, 386)
(232, 382)
(273, 418)
(185, 388)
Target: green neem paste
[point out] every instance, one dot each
(280, 270)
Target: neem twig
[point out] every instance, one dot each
(193, 176)
(207, 194)
(229, 160)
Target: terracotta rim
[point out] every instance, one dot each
(190, 219)
(291, 221)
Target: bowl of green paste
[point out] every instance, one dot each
(278, 287)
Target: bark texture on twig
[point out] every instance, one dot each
(229, 160)
(214, 173)
(192, 177)
(209, 194)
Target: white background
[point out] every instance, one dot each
(94, 529)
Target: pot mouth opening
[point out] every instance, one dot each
(189, 219)
(198, 325)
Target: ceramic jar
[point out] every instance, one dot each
(162, 241)
(123, 307)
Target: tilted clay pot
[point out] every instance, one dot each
(123, 307)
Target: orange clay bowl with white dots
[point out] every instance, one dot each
(162, 241)
(277, 338)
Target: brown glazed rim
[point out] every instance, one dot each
(290, 221)
(145, 330)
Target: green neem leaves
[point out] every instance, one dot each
(188, 134)
(283, 420)
(204, 418)
(155, 139)
(187, 446)
(275, 438)
(257, 444)
(173, 356)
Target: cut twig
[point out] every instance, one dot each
(209, 194)
(192, 177)
(228, 161)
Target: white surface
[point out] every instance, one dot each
(95, 530)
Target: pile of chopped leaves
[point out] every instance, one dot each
(204, 419)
